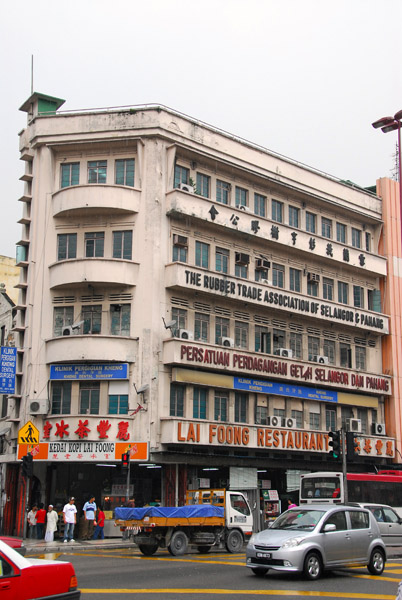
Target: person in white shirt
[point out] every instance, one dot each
(70, 519)
(52, 519)
(32, 522)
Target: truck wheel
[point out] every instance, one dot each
(203, 549)
(234, 541)
(148, 549)
(178, 543)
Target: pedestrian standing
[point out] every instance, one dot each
(40, 522)
(89, 512)
(99, 524)
(52, 519)
(70, 519)
(32, 522)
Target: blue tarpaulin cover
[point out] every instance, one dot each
(195, 510)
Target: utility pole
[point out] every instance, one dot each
(344, 464)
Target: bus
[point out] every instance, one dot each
(384, 487)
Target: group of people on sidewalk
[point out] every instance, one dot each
(93, 524)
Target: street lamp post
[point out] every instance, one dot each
(388, 124)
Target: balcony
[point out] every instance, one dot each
(81, 200)
(110, 271)
(98, 347)
(184, 277)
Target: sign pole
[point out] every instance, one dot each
(344, 466)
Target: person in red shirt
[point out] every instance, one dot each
(40, 522)
(99, 525)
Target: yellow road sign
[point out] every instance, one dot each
(28, 434)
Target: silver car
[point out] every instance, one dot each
(389, 522)
(312, 538)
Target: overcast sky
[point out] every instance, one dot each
(304, 78)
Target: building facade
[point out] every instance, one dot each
(198, 301)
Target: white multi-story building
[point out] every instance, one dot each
(195, 299)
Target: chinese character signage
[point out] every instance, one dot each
(86, 451)
(8, 361)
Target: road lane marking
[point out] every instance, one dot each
(314, 594)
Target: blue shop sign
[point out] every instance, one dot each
(284, 389)
(8, 362)
(86, 372)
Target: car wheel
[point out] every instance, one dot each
(377, 562)
(178, 543)
(259, 571)
(312, 566)
(234, 541)
(148, 549)
(203, 549)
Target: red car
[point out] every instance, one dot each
(25, 579)
(15, 543)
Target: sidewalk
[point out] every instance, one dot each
(41, 547)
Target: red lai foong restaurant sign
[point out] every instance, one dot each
(293, 440)
(85, 451)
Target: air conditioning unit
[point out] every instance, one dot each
(228, 342)
(289, 423)
(275, 421)
(186, 334)
(68, 330)
(261, 264)
(39, 407)
(354, 425)
(186, 187)
(313, 277)
(180, 240)
(378, 428)
(285, 352)
(245, 208)
(323, 360)
(242, 259)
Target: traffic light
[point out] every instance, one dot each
(335, 444)
(352, 446)
(27, 465)
(125, 461)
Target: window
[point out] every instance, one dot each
(241, 406)
(199, 403)
(330, 419)
(261, 415)
(356, 238)
(329, 350)
(202, 254)
(261, 275)
(342, 292)
(338, 519)
(312, 288)
(311, 222)
(359, 519)
(66, 246)
(313, 346)
(262, 339)
(294, 280)
(180, 249)
(180, 316)
(295, 344)
(97, 171)
(203, 185)
(326, 227)
(328, 288)
(94, 244)
(201, 327)
(181, 175)
(278, 275)
(260, 203)
(89, 398)
(222, 260)
(362, 414)
(70, 174)
(277, 211)
(176, 400)
(294, 218)
(120, 319)
(345, 355)
(279, 338)
(63, 316)
(314, 420)
(241, 334)
(118, 404)
(124, 173)
(221, 329)
(280, 412)
(341, 233)
(360, 357)
(241, 270)
(374, 300)
(222, 191)
(122, 244)
(61, 398)
(221, 406)
(358, 296)
(92, 317)
(298, 416)
(241, 197)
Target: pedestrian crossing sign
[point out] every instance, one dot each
(28, 434)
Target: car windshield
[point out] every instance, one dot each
(298, 519)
